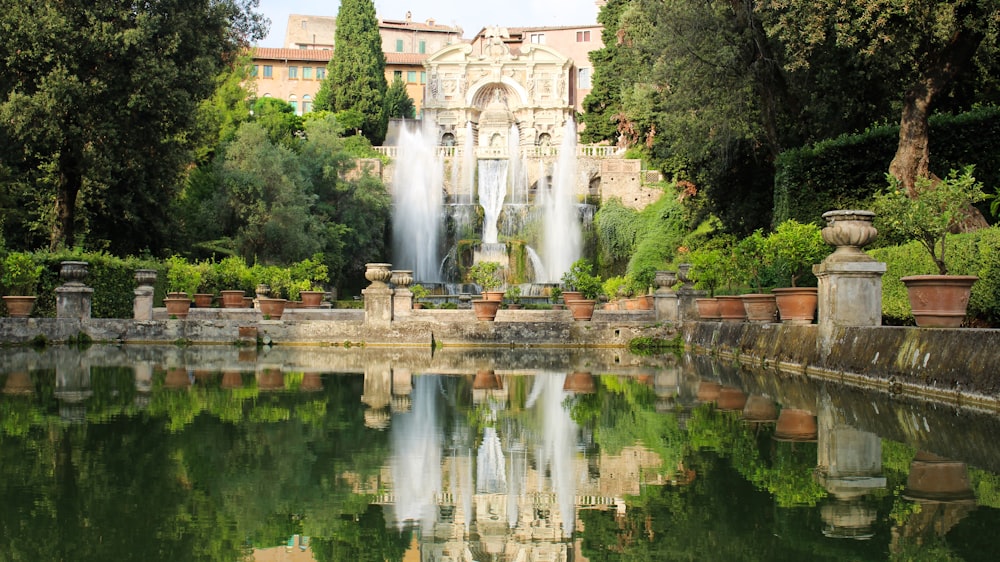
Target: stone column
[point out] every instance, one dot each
(665, 300)
(402, 297)
(687, 308)
(73, 298)
(850, 281)
(378, 295)
(142, 306)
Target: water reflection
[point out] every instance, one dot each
(226, 454)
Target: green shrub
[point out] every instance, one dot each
(579, 278)
(19, 274)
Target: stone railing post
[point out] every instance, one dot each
(142, 306)
(665, 301)
(850, 281)
(378, 295)
(402, 297)
(687, 294)
(73, 298)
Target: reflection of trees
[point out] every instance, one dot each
(622, 413)
(363, 537)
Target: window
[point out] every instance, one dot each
(399, 45)
(583, 78)
(583, 36)
(293, 72)
(411, 76)
(320, 72)
(422, 46)
(397, 74)
(307, 104)
(253, 70)
(423, 77)
(268, 69)
(304, 24)
(294, 103)
(538, 38)
(307, 73)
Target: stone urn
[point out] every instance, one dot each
(664, 281)
(683, 274)
(144, 277)
(73, 273)
(402, 278)
(849, 231)
(378, 274)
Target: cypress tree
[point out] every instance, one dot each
(355, 77)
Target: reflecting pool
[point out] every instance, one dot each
(221, 453)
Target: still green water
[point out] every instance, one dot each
(321, 454)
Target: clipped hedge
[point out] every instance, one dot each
(976, 253)
(844, 172)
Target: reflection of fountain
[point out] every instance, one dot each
(558, 443)
(416, 464)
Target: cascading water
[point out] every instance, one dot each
(469, 165)
(562, 241)
(492, 192)
(418, 204)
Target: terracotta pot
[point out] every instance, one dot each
(760, 307)
(708, 308)
(795, 424)
(311, 299)
(515, 306)
(203, 300)
(485, 309)
(19, 306)
(232, 299)
(939, 301)
(759, 409)
(731, 308)
(571, 296)
(247, 302)
(583, 310)
(731, 398)
(272, 308)
(493, 295)
(645, 302)
(796, 305)
(177, 307)
(579, 381)
(631, 304)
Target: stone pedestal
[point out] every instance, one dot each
(378, 295)
(665, 300)
(850, 281)
(73, 298)
(142, 306)
(687, 308)
(402, 297)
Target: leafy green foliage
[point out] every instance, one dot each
(182, 276)
(19, 274)
(398, 103)
(486, 274)
(579, 278)
(795, 248)
(930, 213)
(355, 78)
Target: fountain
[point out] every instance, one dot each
(435, 225)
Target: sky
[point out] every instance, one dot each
(470, 15)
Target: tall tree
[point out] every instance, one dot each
(929, 43)
(355, 77)
(97, 98)
(398, 102)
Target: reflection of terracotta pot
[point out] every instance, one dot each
(760, 409)
(760, 307)
(935, 478)
(579, 381)
(795, 424)
(708, 309)
(731, 398)
(203, 376)
(271, 379)
(232, 299)
(18, 383)
(232, 379)
(731, 308)
(176, 378)
(796, 305)
(486, 380)
(311, 382)
(708, 391)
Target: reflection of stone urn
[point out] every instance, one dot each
(378, 274)
(849, 231)
(795, 424)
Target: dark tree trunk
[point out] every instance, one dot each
(70, 181)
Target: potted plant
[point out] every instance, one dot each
(794, 249)
(182, 282)
(312, 273)
(707, 271)
(580, 279)
(419, 292)
(234, 275)
(754, 262)
(487, 274)
(513, 296)
(927, 216)
(205, 293)
(20, 281)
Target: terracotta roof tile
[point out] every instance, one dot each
(405, 58)
(312, 55)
